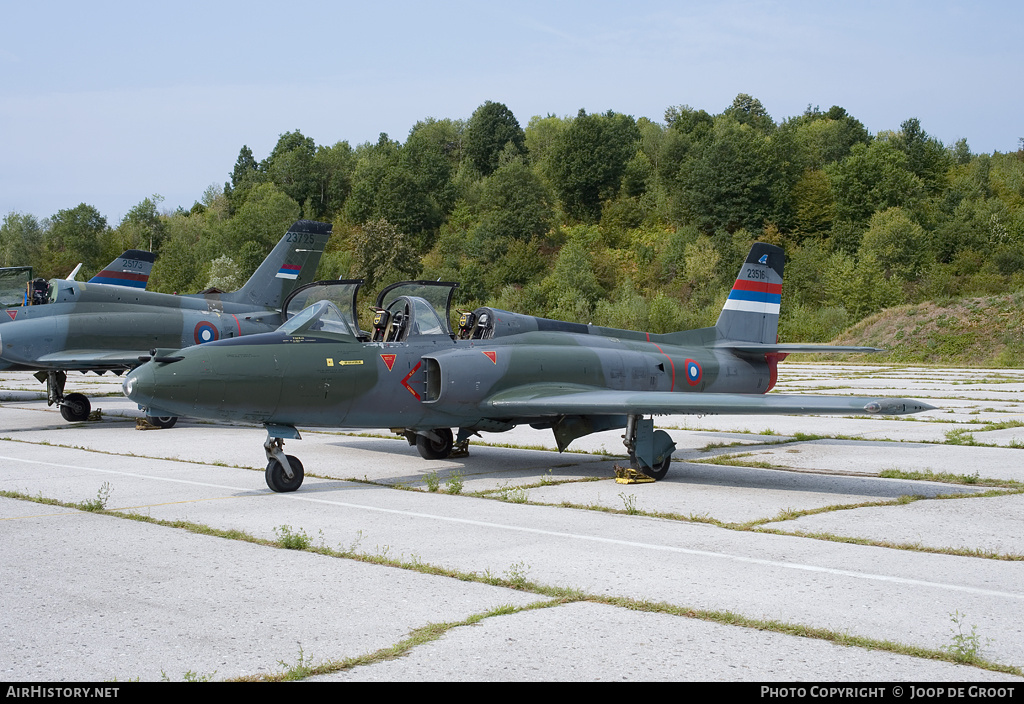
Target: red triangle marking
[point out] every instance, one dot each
(493, 356)
(389, 360)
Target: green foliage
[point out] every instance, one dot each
(266, 215)
(964, 647)
(490, 129)
(383, 253)
(588, 160)
(74, 237)
(292, 539)
(899, 245)
(290, 167)
(730, 177)
(225, 274)
(20, 240)
(875, 176)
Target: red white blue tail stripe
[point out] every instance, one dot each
(289, 271)
(130, 269)
(755, 297)
(120, 278)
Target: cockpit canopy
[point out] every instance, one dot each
(403, 310)
(322, 316)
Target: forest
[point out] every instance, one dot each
(605, 218)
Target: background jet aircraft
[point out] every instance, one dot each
(98, 326)
(18, 288)
(415, 375)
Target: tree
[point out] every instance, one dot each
(373, 161)
(732, 178)
(927, 158)
(20, 240)
(823, 138)
(290, 167)
(898, 244)
(333, 169)
(589, 160)
(262, 221)
(874, 177)
(749, 111)
(141, 228)
(489, 130)
(383, 254)
(514, 205)
(244, 177)
(74, 236)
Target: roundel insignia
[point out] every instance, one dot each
(693, 372)
(205, 332)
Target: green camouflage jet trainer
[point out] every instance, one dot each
(107, 323)
(414, 374)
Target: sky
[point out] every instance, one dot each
(108, 103)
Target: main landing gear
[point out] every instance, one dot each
(650, 450)
(435, 444)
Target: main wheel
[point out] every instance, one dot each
(660, 471)
(75, 408)
(434, 449)
(162, 421)
(657, 472)
(278, 481)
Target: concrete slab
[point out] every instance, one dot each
(737, 494)
(95, 598)
(868, 457)
(986, 524)
(598, 643)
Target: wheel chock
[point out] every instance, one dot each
(628, 475)
(461, 449)
(143, 424)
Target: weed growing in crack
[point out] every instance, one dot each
(292, 539)
(965, 647)
(433, 482)
(100, 502)
(454, 484)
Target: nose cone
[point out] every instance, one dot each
(138, 385)
(154, 390)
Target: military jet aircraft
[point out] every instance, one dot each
(415, 375)
(18, 288)
(107, 323)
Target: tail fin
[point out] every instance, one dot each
(130, 269)
(751, 314)
(291, 264)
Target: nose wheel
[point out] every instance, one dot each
(278, 478)
(284, 472)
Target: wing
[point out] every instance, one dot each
(553, 400)
(90, 359)
(793, 348)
